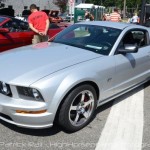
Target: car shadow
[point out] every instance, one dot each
(34, 132)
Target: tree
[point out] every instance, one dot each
(116, 3)
(62, 4)
(130, 6)
(96, 2)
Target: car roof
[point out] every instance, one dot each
(117, 25)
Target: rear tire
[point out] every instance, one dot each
(78, 108)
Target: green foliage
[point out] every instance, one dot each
(62, 4)
(117, 3)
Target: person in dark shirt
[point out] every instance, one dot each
(88, 16)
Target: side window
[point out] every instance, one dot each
(19, 25)
(8, 24)
(140, 37)
(136, 37)
(53, 26)
(12, 25)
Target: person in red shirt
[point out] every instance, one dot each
(39, 23)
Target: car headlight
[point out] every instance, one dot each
(5, 89)
(36, 94)
(29, 93)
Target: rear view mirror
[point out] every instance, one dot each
(4, 30)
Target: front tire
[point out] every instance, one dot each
(78, 108)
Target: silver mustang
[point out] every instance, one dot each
(66, 79)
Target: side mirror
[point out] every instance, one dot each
(128, 48)
(4, 30)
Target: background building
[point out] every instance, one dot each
(72, 4)
(20, 5)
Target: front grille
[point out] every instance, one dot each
(5, 116)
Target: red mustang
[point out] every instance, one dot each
(15, 33)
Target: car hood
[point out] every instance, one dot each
(25, 65)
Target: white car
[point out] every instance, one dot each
(65, 80)
(70, 16)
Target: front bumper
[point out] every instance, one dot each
(8, 107)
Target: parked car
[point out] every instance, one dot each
(15, 33)
(66, 79)
(54, 17)
(64, 18)
(70, 17)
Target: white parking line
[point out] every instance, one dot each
(124, 127)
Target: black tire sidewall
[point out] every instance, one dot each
(64, 112)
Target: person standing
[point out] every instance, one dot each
(39, 24)
(115, 16)
(106, 17)
(87, 16)
(135, 19)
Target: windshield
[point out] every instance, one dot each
(2, 19)
(98, 39)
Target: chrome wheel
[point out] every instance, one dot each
(81, 108)
(78, 108)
